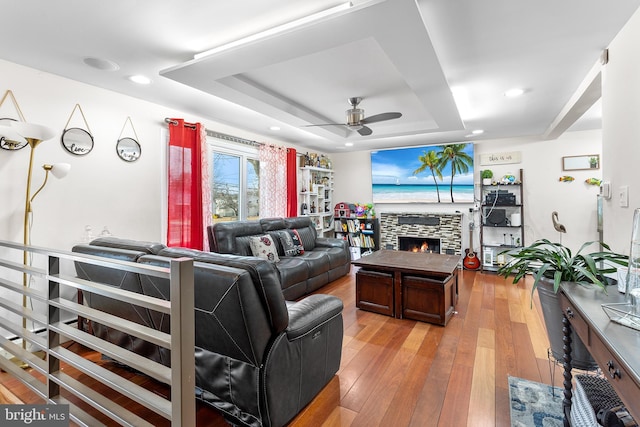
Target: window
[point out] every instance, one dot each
(235, 181)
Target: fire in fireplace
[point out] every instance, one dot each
(419, 244)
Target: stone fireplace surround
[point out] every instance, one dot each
(444, 226)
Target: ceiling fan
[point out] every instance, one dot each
(357, 121)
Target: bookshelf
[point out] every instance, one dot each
(363, 234)
(315, 196)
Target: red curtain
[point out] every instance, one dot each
(292, 183)
(185, 226)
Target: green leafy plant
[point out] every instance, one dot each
(554, 261)
(487, 173)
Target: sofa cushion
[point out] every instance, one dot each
(317, 262)
(337, 256)
(292, 271)
(233, 237)
(272, 224)
(291, 242)
(264, 247)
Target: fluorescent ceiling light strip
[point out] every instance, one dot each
(275, 30)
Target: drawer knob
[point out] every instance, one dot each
(569, 312)
(613, 371)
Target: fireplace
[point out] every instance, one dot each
(446, 227)
(419, 244)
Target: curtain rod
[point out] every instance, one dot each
(175, 123)
(232, 138)
(225, 136)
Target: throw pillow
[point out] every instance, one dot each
(291, 242)
(263, 247)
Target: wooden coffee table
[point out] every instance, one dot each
(412, 285)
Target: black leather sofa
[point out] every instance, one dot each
(259, 359)
(324, 259)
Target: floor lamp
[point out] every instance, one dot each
(20, 133)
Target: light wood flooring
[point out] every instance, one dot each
(407, 373)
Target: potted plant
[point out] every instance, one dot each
(486, 176)
(551, 264)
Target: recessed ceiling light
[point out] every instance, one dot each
(140, 79)
(477, 131)
(274, 128)
(101, 64)
(348, 144)
(512, 93)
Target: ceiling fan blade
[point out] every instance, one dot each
(381, 117)
(325, 124)
(365, 131)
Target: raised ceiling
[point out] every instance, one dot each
(398, 55)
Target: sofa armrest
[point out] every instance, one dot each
(310, 312)
(331, 242)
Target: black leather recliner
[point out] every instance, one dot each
(259, 359)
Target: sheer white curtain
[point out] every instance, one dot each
(273, 181)
(207, 215)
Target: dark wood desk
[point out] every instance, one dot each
(615, 347)
(420, 286)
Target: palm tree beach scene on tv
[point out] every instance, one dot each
(432, 174)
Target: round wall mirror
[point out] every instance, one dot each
(128, 149)
(8, 144)
(77, 141)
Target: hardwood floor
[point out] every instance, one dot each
(407, 373)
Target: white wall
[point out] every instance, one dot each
(621, 132)
(543, 192)
(101, 189)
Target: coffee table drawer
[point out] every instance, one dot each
(428, 299)
(374, 291)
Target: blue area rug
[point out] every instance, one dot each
(533, 404)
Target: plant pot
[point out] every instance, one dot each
(487, 181)
(552, 313)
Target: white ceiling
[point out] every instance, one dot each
(398, 55)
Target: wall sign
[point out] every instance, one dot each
(501, 158)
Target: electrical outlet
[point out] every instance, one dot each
(624, 196)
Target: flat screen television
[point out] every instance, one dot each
(423, 174)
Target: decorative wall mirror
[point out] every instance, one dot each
(77, 141)
(588, 161)
(128, 148)
(5, 143)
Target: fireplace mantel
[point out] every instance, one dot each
(446, 226)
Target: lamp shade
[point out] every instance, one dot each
(9, 133)
(60, 170)
(28, 130)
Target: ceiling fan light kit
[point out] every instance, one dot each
(357, 121)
